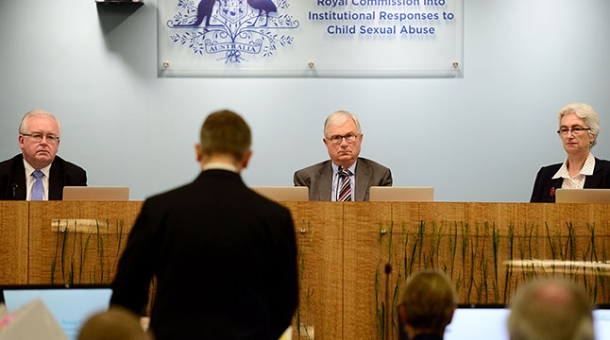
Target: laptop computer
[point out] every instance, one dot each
(70, 306)
(478, 322)
(79, 193)
(283, 193)
(601, 321)
(404, 194)
(582, 195)
(489, 322)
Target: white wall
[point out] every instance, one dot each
(481, 137)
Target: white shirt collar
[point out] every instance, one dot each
(587, 168)
(351, 168)
(219, 166)
(29, 169)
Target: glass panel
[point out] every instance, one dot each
(310, 38)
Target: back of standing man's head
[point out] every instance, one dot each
(550, 309)
(227, 133)
(427, 302)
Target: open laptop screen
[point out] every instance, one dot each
(601, 318)
(478, 322)
(489, 322)
(70, 307)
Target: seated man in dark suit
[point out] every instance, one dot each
(37, 173)
(345, 177)
(426, 306)
(223, 256)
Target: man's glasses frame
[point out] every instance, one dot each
(38, 137)
(350, 138)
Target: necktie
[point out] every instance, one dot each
(345, 188)
(37, 188)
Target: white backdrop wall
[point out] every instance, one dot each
(480, 137)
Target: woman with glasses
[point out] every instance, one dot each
(578, 131)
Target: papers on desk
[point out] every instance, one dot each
(32, 321)
(287, 334)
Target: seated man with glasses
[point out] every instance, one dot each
(37, 173)
(345, 177)
(578, 130)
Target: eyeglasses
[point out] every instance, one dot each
(577, 130)
(350, 138)
(38, 137)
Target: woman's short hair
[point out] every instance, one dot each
(584, 112)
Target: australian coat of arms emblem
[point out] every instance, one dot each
(233, 30)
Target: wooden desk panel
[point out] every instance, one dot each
(78, 242)
(13, 242)
(488, 250)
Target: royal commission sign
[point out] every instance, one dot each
(310, 38)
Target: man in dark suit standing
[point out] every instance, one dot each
(47, 173)
(224, 257)
(345, 177)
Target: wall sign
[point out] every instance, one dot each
(310, 38)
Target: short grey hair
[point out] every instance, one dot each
(23, 126)
(584, 112)
(551, 309)
(340, 117)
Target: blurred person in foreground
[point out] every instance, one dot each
(224, 257)
(550, 309)
(578, 131)
(426, 305)
(114, 324)
(346, 176)
(37, 173)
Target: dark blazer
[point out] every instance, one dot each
(544, 186)
(224, 259)
(62, 173)
(318, 178)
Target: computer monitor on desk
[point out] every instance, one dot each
(401, 194)
(582, 195)
(95, 193)
(70, 306)
(489, 322)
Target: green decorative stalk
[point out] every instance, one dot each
(100, 250)
(495, 237)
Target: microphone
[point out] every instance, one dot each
(388, 323)
(14, 187)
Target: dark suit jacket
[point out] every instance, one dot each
(62, 173)
(224, 259)
(544, 186)
(318, 178)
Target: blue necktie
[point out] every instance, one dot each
(37, 188)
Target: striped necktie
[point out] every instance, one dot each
(37, 188)
(345, 187)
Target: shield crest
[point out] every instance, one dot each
(233, 10)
